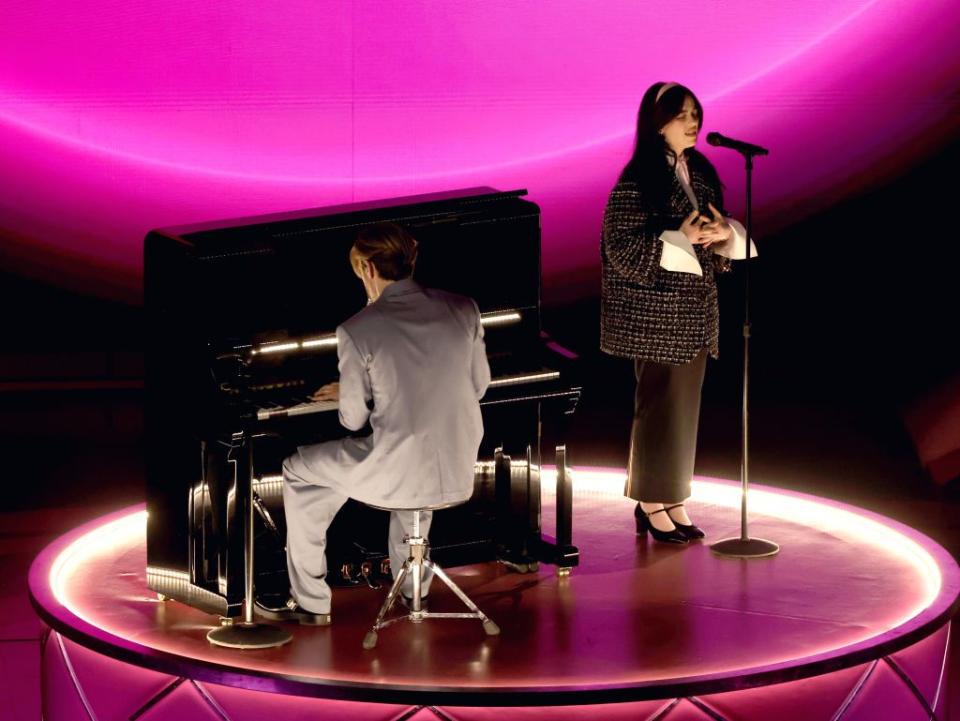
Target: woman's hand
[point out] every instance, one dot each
(717, 230)
(691, 227)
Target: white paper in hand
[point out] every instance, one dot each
(678, 253)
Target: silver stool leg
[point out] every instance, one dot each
(414, 565)
(370, 640)
(489, 626)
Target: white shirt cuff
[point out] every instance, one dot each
(678, 254)
(736, 247)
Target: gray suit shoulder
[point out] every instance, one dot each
(464, 307)
(355, 325)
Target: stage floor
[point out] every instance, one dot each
(636, 620)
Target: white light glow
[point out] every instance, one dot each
(524, 378)
(277, 348)
(499, 318)
(327, 340)
(824, 517)
(330, 341)
(112, 536)
(862, 530)
(486, 466)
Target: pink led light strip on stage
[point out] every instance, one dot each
(850, 526)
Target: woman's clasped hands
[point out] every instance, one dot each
(704, 230)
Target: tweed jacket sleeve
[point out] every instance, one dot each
(631, 235)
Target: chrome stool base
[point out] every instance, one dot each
(415, 566)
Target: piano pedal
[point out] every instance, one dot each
(366, 570)
(521, 566)
(347, 574)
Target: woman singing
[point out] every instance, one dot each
(663, 233)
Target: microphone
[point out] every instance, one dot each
(723, 141)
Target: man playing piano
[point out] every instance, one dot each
(412, 364)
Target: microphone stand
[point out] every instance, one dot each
(744, 546)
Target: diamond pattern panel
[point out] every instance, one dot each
(686, 711)
(639, 711)
(949, 699)
(185, 702)
(885, 696)
(60, 700)
(243, 705)
(114, 689)
(810, 699)
(427, 714)
(923, 662)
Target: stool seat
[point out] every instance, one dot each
(414, 566)
(411, 509)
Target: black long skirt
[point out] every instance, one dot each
(663, 442)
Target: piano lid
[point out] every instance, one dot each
(285, 278)
(407, 210)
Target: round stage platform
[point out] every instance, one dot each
(850, 621)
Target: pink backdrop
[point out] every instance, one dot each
(117, 117)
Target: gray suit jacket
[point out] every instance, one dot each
(414, 364)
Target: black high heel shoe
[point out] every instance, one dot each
(691, 531)
(644, 525)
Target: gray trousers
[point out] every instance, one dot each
(663, 440)
(310, 507)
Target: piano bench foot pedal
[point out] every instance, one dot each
(564, 571)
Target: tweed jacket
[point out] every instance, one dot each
(649, 313)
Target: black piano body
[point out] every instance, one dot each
(242, 315)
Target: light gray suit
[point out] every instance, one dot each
(414, 364)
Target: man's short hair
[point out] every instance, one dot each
(391, 249)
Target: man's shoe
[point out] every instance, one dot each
(292, 612)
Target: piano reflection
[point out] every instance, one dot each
(241, 320)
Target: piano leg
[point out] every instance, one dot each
(560, 551)
(512, 499)
(567, 553)
(247, 633)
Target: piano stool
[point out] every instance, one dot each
(415, 565)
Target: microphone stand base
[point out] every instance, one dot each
(249, 636)
(745, 548)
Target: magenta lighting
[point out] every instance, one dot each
(851, 621)
(120, 117)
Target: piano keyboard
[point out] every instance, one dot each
(302, 409)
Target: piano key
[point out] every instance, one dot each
(306, 406)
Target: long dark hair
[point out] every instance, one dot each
(649, 166)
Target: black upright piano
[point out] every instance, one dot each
(242, 316)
